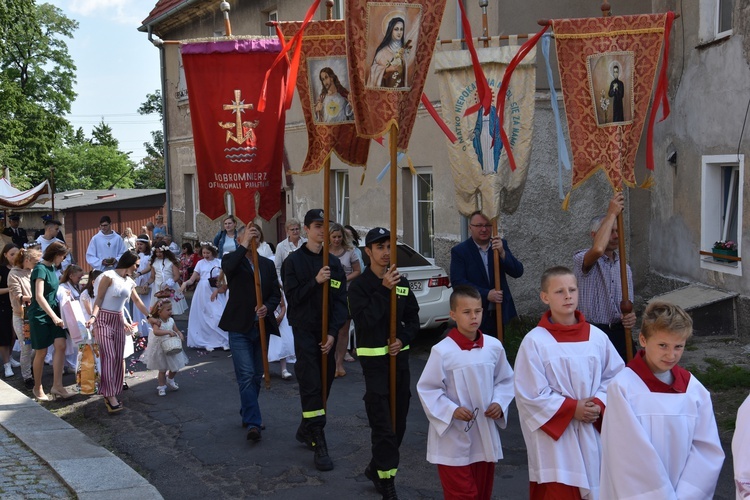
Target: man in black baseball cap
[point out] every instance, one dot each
(17, 234)
(370, 306)
(304, 274)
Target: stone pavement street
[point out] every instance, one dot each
(24, 475)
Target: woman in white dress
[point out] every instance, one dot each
(142, 277)
(281, 348)
(165, 273)
(208, 303)
(129, 238)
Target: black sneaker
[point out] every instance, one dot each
(253, 434)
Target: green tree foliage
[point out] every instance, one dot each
(37, 76)
(102, 135)
(91, 166)
(151, 173)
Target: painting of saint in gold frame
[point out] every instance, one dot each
(392, 39)
(329, 90)
(611, 85)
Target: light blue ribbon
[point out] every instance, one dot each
(399, 157)
(562, 150)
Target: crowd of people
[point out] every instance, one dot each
(569, 369)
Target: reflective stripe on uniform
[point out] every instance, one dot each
(375, 351)
(314, 413)
(386, 474)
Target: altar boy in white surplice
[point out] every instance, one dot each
(659, 437)
(562, 371)
(465, 389)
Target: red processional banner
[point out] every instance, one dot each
(390, 46)
(608, 67)
(323, 88)
(237, 149)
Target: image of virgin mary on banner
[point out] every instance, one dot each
(237, 149)
(324, 90)
(481, 173)
(607, 72)
(390, 46)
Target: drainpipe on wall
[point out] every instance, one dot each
(159, 44)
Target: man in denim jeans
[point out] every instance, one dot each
(240, 319)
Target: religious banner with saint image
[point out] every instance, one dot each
(481, 173)
(608, 66)
(323, 87)
(237, 149)
(390, 46)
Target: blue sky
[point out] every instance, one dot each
(117, 67)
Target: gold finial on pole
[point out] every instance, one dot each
(224, 6)
(605, 8)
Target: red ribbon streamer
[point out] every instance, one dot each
(484, 93)
(435, 116)
(660, 97)
(295, 42)
(525, 48)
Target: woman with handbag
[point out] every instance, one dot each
(208, 304)
(19, 283)
(165, 273)
(45, 322)
(113, 288)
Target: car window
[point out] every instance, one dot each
(406, 255)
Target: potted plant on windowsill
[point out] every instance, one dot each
(725, 248)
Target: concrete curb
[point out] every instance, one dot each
(89, 470)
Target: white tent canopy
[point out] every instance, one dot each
(11, 197)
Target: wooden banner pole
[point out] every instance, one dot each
(326, 242)
(496, 262)
(259, 303)
(626, 306)
(394, 242)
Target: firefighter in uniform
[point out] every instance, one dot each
(303, 276)
(370, 306)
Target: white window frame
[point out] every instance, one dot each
(721, 34)
(415, 210)
(191, 209)
(708, 26)
(273, 16)
(229, 203)
(714, 225)
(181, 94)
(341, 196)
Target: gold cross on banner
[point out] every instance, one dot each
(243, 130)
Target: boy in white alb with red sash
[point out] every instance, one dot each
(659, 437)
(465, 389)
(562, 370)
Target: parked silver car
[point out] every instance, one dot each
(430, 284)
